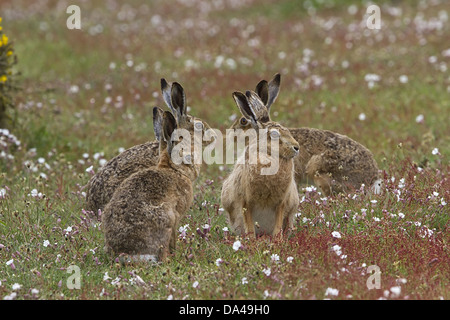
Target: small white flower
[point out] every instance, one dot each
(106, 276)
(443, 202)
(68, 229)
(115, 281)
(274, 257)
(9, 262)
(435, 151)
(34, 291)
(195, 284)
(373, 201)
(170, 297)
(244, 280)
(46, 243)
(403, 78)
(219, 261)
(420, 118)
(336, 234)
(362, 116)
(290, 259)
(35, 194)
(16, 286)
(225, 229)
(337, 249)
(11, 296)
(331, 292)
(90, 169)
(396, 291)
(236, 245)
(401, 215)
(267, 271)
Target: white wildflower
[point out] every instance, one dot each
(331, 292)
(336, 234)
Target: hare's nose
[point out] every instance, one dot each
(296, 149)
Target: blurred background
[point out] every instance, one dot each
(92, 90)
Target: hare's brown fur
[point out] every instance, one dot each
(334, 162)
(270, 201)
(142, 216)
(102, 185)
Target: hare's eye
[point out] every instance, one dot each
(243, 121)
(198, 126)
(274, 134)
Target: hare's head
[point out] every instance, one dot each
(176, 146)
(267, 93)
(175, 98)
(256, 111)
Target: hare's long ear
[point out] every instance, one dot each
(166, 89)
(244, 107)
(262, 89)
(274, 89)
(168, 127)
(158, 122)
(178, 99)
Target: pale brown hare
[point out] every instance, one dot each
(251, 197)
(333, 162)
(102, 185)
(142, 217)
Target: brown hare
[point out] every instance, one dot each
(142, 216)
(102, 185)
(334, 162)
(250, 197)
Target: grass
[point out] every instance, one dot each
(86, 93)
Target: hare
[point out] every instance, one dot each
(334, 162)
(102, 185)
(142, 216)
(250, 197)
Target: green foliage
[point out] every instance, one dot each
(7, 60)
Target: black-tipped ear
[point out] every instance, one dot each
(262, 89)
(244, 107)
(169, 126)
(166, 93)
(274, 89)
(158, 122)
(178, 99)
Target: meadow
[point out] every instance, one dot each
(86, 95)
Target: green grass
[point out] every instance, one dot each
(73, 102)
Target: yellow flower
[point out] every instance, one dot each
(9, 53)
(0, 19)
(4, 39)
(3, 79)
(1, 28)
